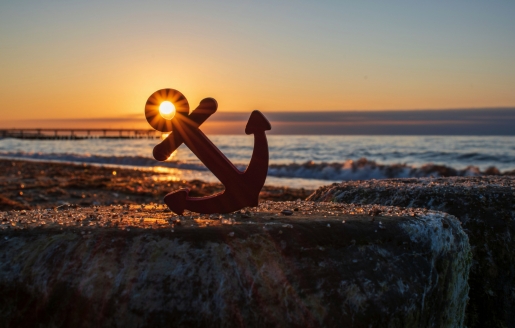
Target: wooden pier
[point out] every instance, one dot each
(75, 134)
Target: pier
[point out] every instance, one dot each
(73, 134)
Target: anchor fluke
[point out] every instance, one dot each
(176, 200)
(257, 123)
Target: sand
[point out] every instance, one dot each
(26, 185)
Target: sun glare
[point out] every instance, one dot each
(171, 157)
(167, 110)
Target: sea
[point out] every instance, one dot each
(295, 161)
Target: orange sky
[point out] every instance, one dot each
(97, 60)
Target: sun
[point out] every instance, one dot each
(167, 110)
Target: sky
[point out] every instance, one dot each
(101, 60)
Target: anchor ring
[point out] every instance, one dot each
(153, 115)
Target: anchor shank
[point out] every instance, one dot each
(210, 155)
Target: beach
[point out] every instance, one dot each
(79, 206)
(49, 173)
(28, 185)
(80, 195)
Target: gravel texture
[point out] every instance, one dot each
(296, 264)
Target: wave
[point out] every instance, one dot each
(111, 160)
(362, 169)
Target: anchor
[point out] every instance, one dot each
(241, 188)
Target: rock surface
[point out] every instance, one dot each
(322, 265)
(485, 206)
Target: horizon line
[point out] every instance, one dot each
(275, 112)
(486, 121)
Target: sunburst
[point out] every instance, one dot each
(162, 108)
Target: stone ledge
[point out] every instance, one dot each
(325, 265)
(486, 208)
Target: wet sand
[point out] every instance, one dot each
(26, 185)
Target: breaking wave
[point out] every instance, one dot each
(362, 169)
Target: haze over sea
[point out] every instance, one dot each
(295, 161)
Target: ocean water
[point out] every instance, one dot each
(295, 161)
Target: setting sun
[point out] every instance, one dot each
(167, 110)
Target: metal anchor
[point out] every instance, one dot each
(241, 188)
